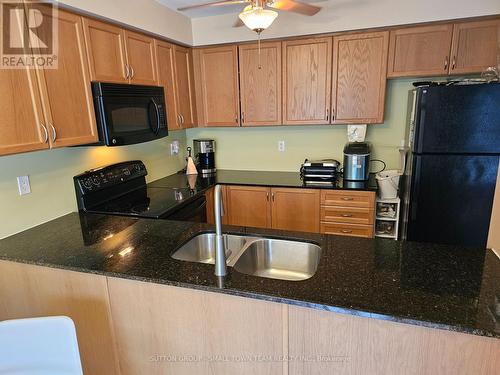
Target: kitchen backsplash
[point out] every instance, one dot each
(257, 148)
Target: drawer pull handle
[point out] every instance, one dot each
(347, 198)
(346, 215)
(346, 231)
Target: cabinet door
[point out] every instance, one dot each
(218, 72)
(248, 206)
(141, 59)
(476, 46)
(106, 51)
(306, 81)
(359, 78)
(166, 78)
(260, 84)
(295, 209)
(66, 92)
(420, 51)
(184, 84)
(22, 126)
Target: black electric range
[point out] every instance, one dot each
(120, 189)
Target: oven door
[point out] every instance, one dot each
(127, 118)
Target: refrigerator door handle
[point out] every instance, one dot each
(415, 187)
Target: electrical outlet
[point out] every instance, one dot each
(281, 146)
(174, 148)
(23, 184)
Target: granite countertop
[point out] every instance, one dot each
(259, 178)
(435, 286)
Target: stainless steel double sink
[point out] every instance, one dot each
(256, 256)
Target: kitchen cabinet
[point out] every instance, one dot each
(66, 91)
(295, 209)
(248, 206)
(176, 76)
(216, 70)
(475, 46)
(347, 213)
(307, 80)
(141, 59)
(184, 83)
(420, 51)
(359, 78)
(260, 84)
(28, 291)
(106, 51)
(23, 126)
(119, 56)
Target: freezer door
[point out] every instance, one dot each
(451, 199)
(458, 119)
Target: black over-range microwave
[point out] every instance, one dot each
(128, 114)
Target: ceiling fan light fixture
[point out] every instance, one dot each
(257, 18)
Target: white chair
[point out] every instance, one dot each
(39, 346)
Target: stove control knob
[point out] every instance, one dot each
(96, 181)
(87, 183)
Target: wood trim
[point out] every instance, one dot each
(379, 117)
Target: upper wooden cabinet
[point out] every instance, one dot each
(306, 81)
(184, 83)
(22, 126)
(217, 86)
(106, 51)
(141, 58)
(461, 48)
(65, 91)
(260, 84)
(359, 78)
(248, 206)
(475, 47)
(421, 50)
(118, 55)
(176, 76)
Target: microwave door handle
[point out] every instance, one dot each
(157, 116)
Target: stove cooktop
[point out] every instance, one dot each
(146, 202)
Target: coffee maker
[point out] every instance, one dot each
(204, 156)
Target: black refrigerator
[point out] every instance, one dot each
(454, 148)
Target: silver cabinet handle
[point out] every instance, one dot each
(453, 62)
(132, 72)
(272, 196)
(333, 114)
(347, 198)
(182, 119)
(127, 72)
(346, 215)
(327, 115)
(346, 231)
(242, 117)
(446, 63)
(54, 132)
(179, 120)
(267, 197)
(46, 136)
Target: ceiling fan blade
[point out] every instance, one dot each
(238, 23)
(213, 4)
(294, 6)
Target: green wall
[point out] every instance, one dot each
(257, 148)
(51, 171)
(51, 175)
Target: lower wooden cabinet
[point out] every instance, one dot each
(248, 206)
(277, 208)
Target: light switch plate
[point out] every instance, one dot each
(23, 184)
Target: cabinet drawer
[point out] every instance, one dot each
(347, 215)
(344, 229)
(362, 199)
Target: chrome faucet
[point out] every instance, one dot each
(220, 251)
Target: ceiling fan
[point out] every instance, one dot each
(257, 16)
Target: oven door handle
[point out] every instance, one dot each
(157, 110)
